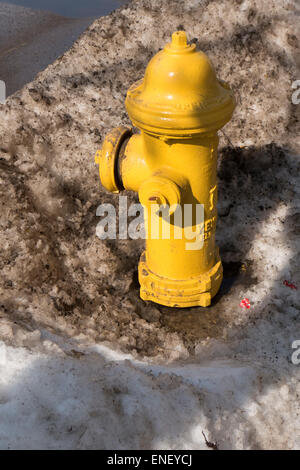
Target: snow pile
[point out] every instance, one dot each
(68, 300)
(98, 399)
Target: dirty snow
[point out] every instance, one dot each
(84, 362)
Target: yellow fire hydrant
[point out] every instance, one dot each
(172, 163)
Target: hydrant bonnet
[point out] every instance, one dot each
(180, 94)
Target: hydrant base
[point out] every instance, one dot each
(180, 293)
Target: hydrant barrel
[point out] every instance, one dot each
(178, 106)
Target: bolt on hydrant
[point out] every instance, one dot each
(172, 164)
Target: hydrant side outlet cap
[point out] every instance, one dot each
(180, 93)
(107, 158)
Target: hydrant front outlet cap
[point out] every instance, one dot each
(171, 163)
(161, 191)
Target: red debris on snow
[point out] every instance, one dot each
(290, 285)
(245, 303)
